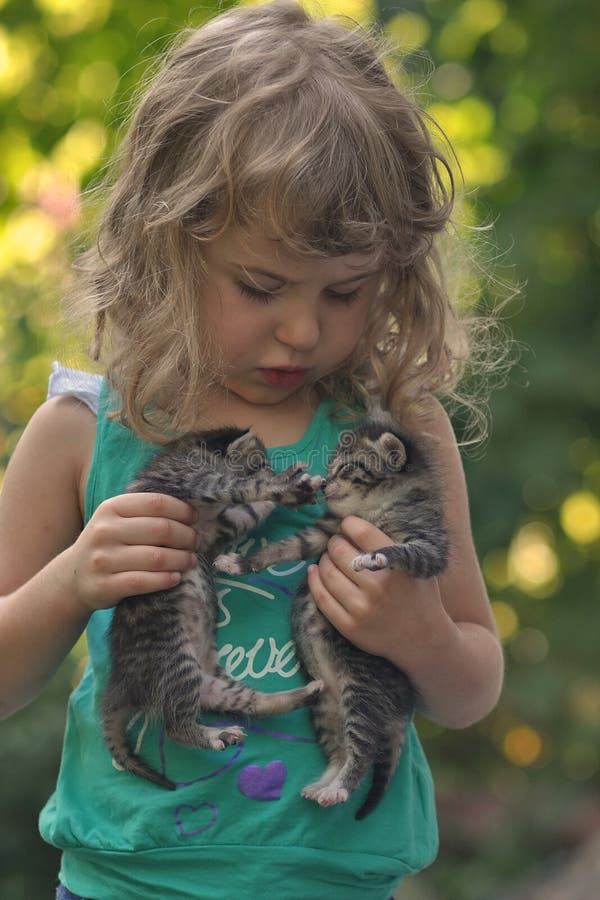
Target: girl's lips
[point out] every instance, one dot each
(285, 377)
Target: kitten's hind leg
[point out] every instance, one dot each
(346, 734)
(329, 728)
(194, 734)
(225, 694)
(313, 791)
(344, 782)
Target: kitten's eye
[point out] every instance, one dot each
(256, 463)
(352, 467)
(409, 468)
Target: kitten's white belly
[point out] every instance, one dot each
(322, 667)
(198, 618)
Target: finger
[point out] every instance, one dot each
(364, 535)
(337, 577)
(342, 553)
(155, 559)
(327, 603)
(157, 532)
(128, 584)
(154, 504)
(109, 561)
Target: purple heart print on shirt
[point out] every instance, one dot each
(263, 782)
(192, 820)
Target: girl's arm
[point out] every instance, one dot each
(440, 631)
(53, 574)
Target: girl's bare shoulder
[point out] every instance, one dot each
(43, 491)
(62, 436)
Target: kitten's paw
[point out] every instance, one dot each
(231, 564)
(371, 561)
(313, 691)
(325, 796)
(229, 736)
(294, 471)
(303, 491)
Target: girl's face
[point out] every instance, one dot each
(282, 321)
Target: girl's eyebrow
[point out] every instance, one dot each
(252, 270)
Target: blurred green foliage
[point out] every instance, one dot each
(515, 87)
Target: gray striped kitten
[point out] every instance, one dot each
(388, 478)
(162, 644)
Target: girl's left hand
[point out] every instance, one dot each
(387, 613)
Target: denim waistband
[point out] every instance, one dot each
(63, 893)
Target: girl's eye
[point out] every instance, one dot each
(261, 296)
(347, 297)
(255, 293)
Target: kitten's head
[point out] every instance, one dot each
(239, 451)
(370, 464)
(247, 453)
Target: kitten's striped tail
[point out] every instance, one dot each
(123, 754)
(384, 767)
(382, 775)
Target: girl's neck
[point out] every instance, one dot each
(277, 425)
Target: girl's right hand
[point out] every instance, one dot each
(133, 544)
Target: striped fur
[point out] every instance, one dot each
(162, 644)
(387, 477)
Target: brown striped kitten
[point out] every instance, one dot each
(387, 477)
(163, 652)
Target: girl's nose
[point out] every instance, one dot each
(299, 329)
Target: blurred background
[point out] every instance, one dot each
(515, 86)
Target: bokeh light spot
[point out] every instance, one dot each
(506, 618)
(532, 560)
(580, 517)
(522, 745)
(408, 30)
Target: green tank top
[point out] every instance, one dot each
(237, 821)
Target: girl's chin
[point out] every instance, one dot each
(257, 394)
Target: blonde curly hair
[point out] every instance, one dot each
(266, 115)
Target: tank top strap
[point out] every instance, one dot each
(86, 386)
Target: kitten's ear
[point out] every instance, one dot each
(247, 441)
(249, 448)
(392, 450)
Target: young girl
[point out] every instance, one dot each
(266, 259)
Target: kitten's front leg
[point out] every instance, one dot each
(418, 558)
(293, 487)
(310, 542)
(298, 487)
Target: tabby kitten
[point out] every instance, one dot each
(162, 644)
(388, 478)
